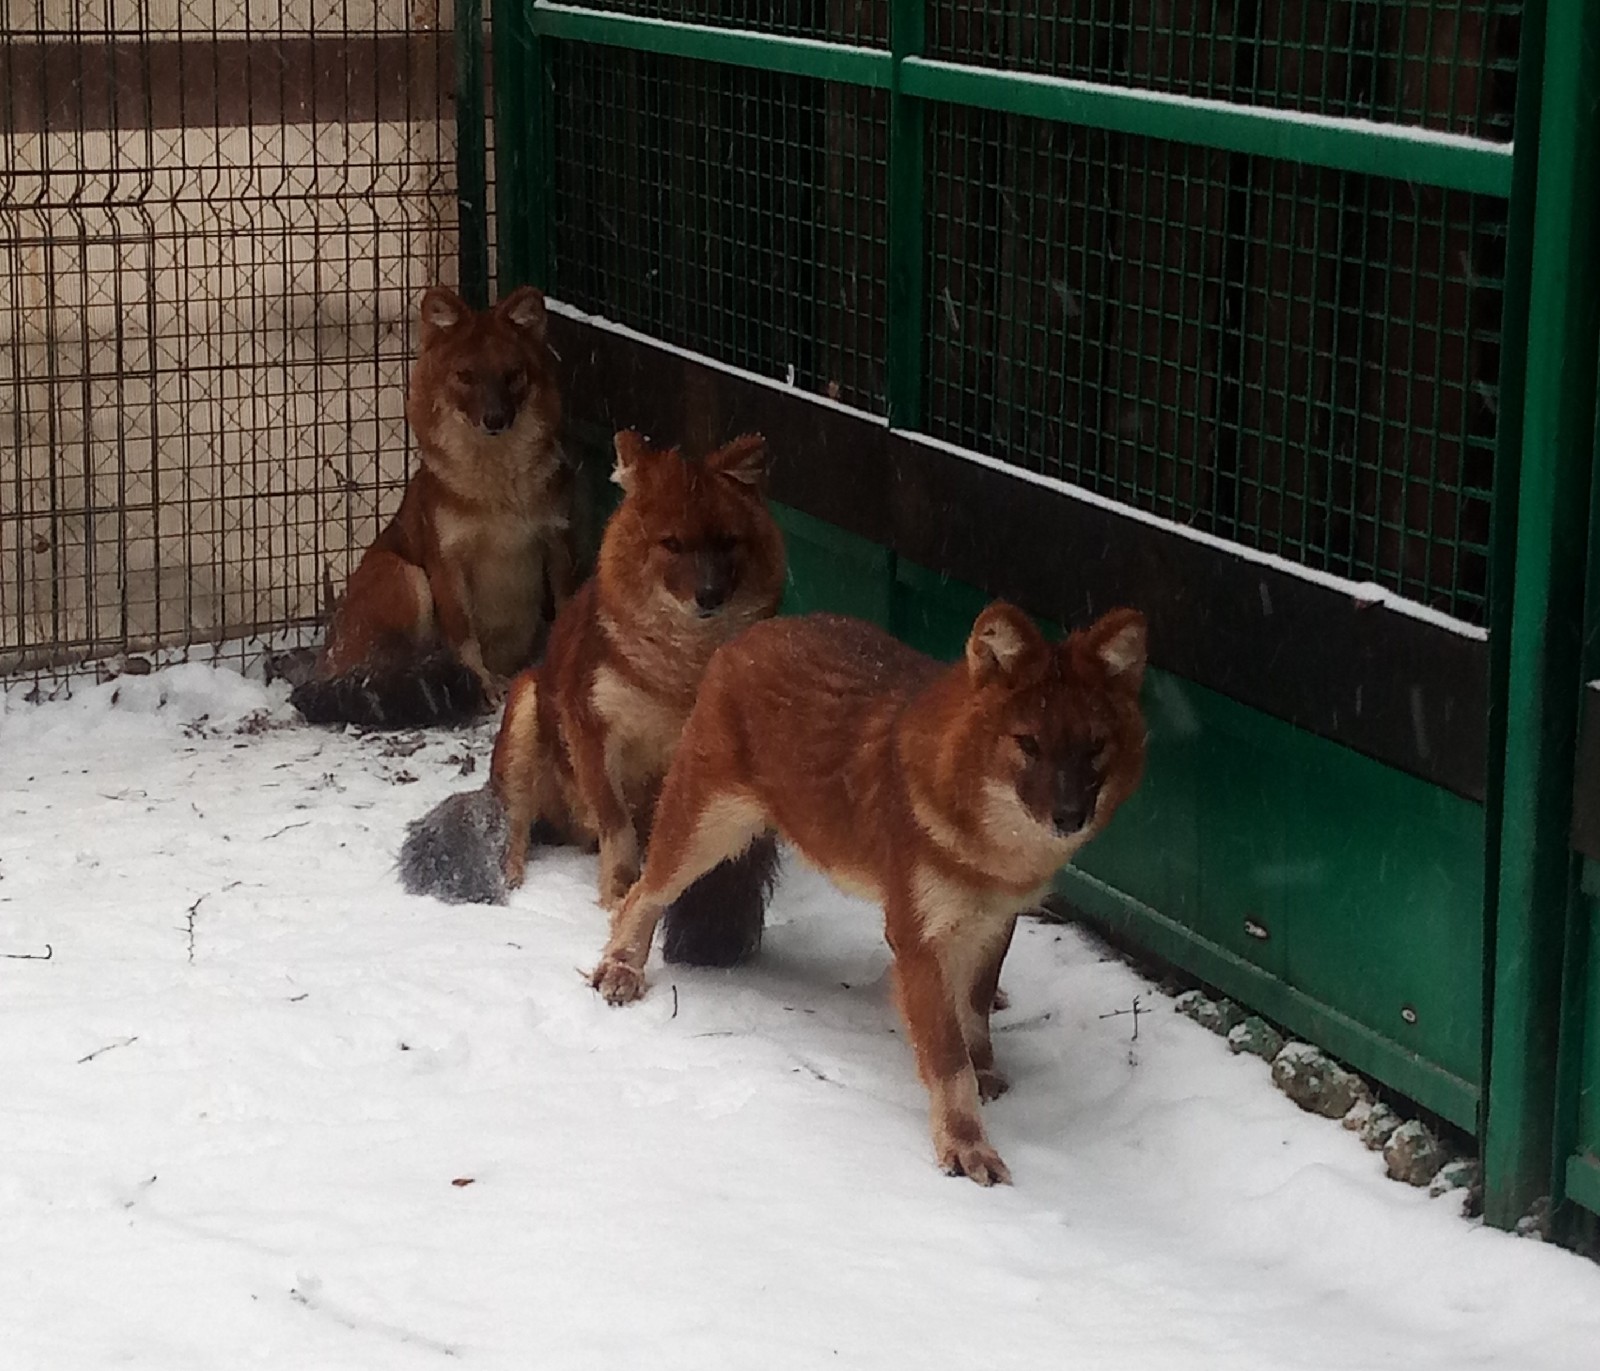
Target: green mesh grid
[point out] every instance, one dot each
(861, 23)
(1440, 64)
(1301, 361)
(735, 212)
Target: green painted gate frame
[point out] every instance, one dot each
(1542, 514)
(1542, 482)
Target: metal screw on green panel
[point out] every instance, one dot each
(1408, 1013)
(1257, 931)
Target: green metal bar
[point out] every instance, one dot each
(706, 42)
(1536, 867)
(1397, 151)
(521, 148)
(472, 179)
(903, 365)
(1514, 330)
(542, 173)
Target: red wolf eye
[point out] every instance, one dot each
(672, 545)
(1027, 743)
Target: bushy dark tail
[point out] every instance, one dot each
(718, 920)
(437, 690)
(455, 850)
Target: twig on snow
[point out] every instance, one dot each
(121, 1042)
(44, 956)
(193, 909)
(1133, 1009)
(815, 1072)
(312, 1299)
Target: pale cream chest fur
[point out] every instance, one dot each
(642, 730)
(500, 558)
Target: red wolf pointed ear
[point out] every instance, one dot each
(1002, 641)
(442, 309)
(1119, 640)
(524, 309)
(745, 460)
(633, 454)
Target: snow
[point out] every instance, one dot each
(237, 1098)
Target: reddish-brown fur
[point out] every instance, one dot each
(477, 558)
(690, 558)
(952, 795)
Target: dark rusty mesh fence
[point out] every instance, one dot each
(214, 227)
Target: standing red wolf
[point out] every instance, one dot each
(691, 557)
(454, 595)
(952, 795)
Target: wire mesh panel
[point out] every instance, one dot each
(1441, 64)
(738, 213)
(1302, 361)
(215, 220)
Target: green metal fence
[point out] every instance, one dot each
(1261, 273)
(1113, 283)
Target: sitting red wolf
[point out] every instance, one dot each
(952, 795)
(690, 558)
(454, 595)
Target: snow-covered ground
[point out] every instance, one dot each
(239, 1105)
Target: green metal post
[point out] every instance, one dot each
(1545, 598)
(1514, 331)
(904, 361)
(903, 354)
(522, 146)
(472, 180)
